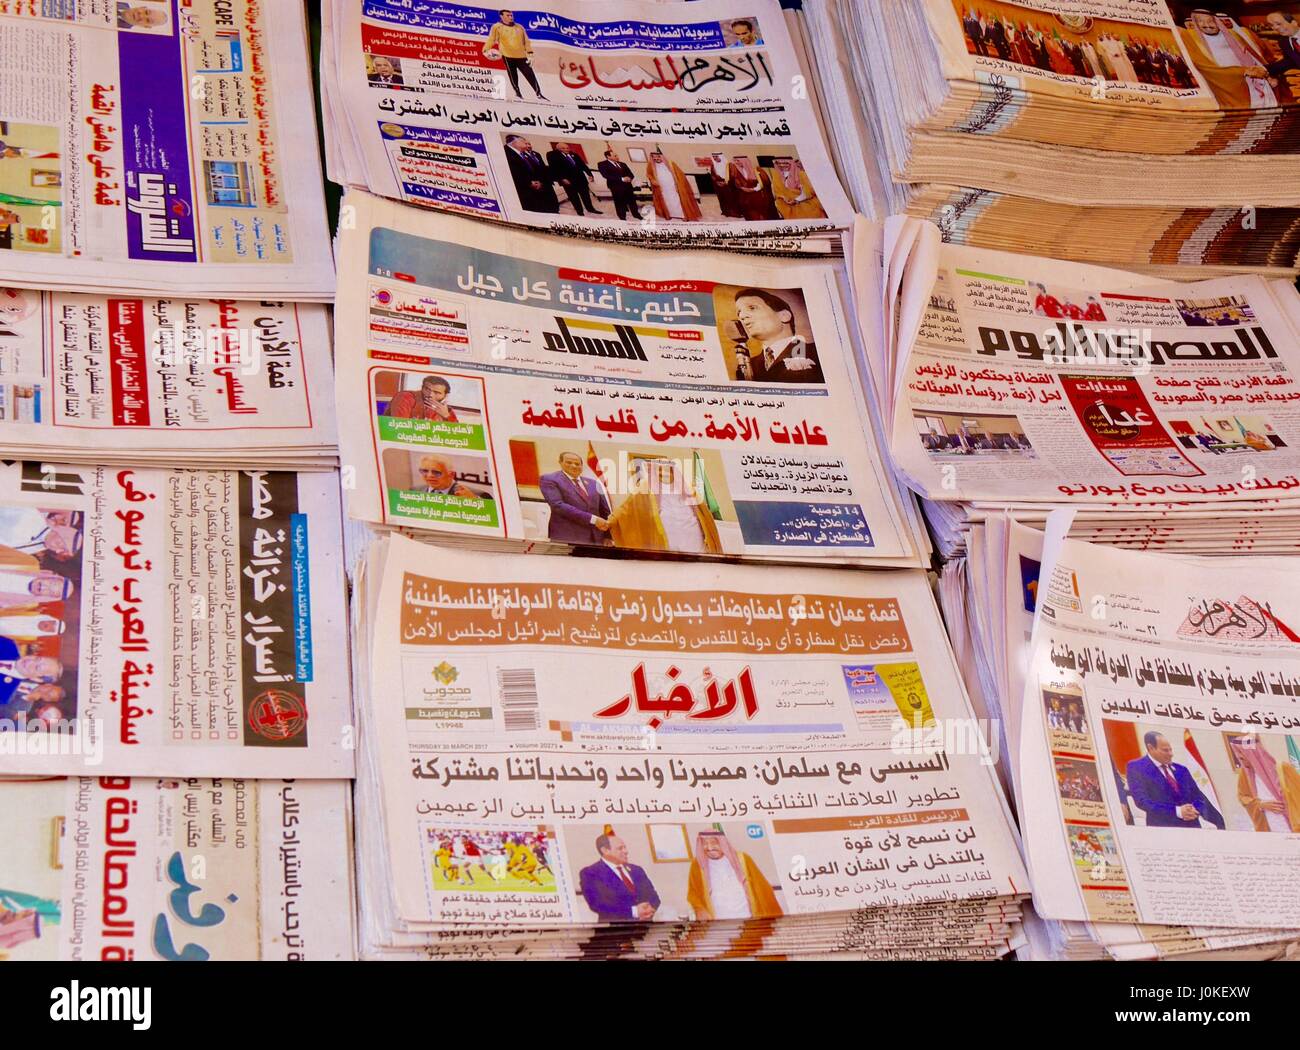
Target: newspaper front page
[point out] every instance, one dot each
(1024, 379)
(160, 145)
(184, 375)
(121, 869)
(651, 121)
(1170, 55)
(1160, 747)
(160, 622)
(499, 385)
(807, 724)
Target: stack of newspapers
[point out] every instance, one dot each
(180, 381)
(173, 611)
(1163, 413)
(662, 124)
(1144, 696)
(498, 389)
(1159, 136)
(152, 148)
(757, 762)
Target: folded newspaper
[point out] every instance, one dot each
(120, 869)
(180, 382)
(495, 389)
(160, 146)
(661, 123)
(689, 800)
(1148, 714)
(1016, 380)
(171, 622)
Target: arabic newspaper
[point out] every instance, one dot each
(145, 147)
(659, 122)
(122, 869)
(1155, 57)
(699, 404)
(179, 380)
(809, 723)
(1022, 378)
(159, 622)
(1160, 744)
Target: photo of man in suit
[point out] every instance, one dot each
(533, 180)
(385, 72)
(571, 172)
(786, 356)
(579, 507)
(1286, 26)
(622, 184)
(439, 478)
(616, 890)
(1165, 790)
(139, 16)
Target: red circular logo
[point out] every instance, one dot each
(277, 715)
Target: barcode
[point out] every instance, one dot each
(520, 706)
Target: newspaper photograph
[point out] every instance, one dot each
(1021, 378)
(806, 729)
(1160, 746)
(155, 145)
(181, 380)
(664, 122)
(166, 622)
(702, 404)
(121, 869)
(1170, 54)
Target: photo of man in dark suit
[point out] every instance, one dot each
(786, 356)
(622, 184)
(579, 507)
(386, 72)
(533, 180)
(614, 889)
(570, 171)
(1165, 790)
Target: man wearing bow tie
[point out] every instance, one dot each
(786, 356)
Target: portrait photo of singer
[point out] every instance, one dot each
(1165, 790)
(724, 883)
(613, 887)
(508, 41)
(767, 335)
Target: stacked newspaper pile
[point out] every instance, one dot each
(658, 123)
(119, 869)
(1143, 696)
(154, 147)
(1159, 136)
(178, 382)
(499, 392)
(689, 801)
(1164, 413)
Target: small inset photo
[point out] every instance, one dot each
(946, 435)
